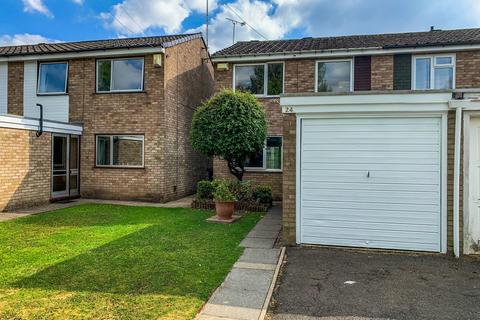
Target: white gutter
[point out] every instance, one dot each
(340, 53)
(456, 176)
(84, 54)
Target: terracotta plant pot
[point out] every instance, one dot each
(225, 209)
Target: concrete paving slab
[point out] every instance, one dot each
(253, 255)
(209, 317)
(269, 234)
(237, 313)
(269, 222)
(235, 297)
(258, 266)
(267, 227)
(257, 243)
(248, 279)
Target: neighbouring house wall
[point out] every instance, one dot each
(118, 113)
(15, 88)
(467, 69)
(188, 82)
(25, 170)
(289, 178)
(382, 73)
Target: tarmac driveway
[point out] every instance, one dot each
(322, 283)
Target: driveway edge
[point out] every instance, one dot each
(272, 285)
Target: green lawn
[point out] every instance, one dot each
(114, 262)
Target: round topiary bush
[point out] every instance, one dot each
(232, 126)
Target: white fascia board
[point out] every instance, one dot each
(465, 104)
(413, 102)
(341, 53)
(85, 54)
(33, 124)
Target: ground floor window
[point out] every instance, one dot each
(120, 150)
(269, 158)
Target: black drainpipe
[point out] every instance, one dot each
(40, 128)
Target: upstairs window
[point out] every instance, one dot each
(434, 72)
(269, 158)
(334, 76)
(52, 78)
(264, 79)
(119, 75)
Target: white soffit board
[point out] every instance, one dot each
(55, 107)
(371, 182)
(3, 87)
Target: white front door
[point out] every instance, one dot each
(371, 182)
(472, 230)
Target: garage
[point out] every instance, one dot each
(370, 181)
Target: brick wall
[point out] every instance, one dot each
(15, 88)
(382, 72)
(300, 76)
(188, 82)
(467, 69)
(289, 178)
(25, 172)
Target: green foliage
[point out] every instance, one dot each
(231, 125)
(205, 189)
(242, 190)
(263, 194)
(223, 193)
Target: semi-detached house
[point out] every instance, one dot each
(115, 124)
(373, 140)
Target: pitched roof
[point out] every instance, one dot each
(379, 41)
(82, 46)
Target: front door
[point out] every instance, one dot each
(65, 164)
(472, 232)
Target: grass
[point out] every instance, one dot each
(114, 262)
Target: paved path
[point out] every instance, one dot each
(10, 215)
(242, 295)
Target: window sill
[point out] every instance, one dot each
(263, 170)
(52, 94)
(120, 92)
(119, 167)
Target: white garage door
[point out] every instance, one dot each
(371, 182)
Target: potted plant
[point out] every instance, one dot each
(224, 201)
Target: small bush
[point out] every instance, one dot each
(242, 190)
(205, 189)
(263, 194)
(223, 193)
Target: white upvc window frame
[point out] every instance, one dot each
(111, 74)
(351, 60)
(264, 162)
(265, 77)
(433, 65)
(39, 69)
(111, 136)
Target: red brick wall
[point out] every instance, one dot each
(25, 171)
(15, 88)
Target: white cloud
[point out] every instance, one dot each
(80, 2)
(259, 14)
(25, 38)
(36, 6)
(132, 17)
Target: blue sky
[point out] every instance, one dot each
(33, 21)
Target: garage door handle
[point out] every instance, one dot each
(368, 174)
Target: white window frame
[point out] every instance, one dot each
(433, 65)
(351, 60)
(264, 154)
(39, 75)
(111, 74)
(265, 77)
(111, 165)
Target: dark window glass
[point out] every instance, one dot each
(104, 75)
(103, 151)
(52, 78)
(334, 76)
(250, 79)
(274, 153)
(275, 79)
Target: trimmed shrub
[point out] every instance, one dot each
(223, 193)
(263, 194)
(205, 189)
(242, 190)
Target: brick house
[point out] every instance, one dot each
(116, 118)
(373, 140)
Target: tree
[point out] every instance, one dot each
(232, 126)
